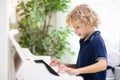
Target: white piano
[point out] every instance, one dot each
(26, 69)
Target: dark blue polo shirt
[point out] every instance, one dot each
(90, 51)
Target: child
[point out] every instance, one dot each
(91, 63)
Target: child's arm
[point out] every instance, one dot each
(98, 66)
(70, 65)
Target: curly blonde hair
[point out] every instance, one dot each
(84, 14)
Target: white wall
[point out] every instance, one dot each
(3, 40)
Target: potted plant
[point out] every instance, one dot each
(37, 32)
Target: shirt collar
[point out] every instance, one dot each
(91, 36)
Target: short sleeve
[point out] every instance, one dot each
(100, 49)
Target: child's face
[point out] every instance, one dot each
(83, 31)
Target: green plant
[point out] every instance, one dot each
(38, 34)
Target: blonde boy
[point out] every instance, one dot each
(91, 63)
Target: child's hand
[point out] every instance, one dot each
(55, 62)
(63, 68)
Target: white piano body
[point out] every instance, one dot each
(26, 69)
